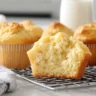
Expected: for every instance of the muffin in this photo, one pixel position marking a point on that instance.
(15, 41)
(56, 27)
(87, 34)
(58, 56)
(34, 29)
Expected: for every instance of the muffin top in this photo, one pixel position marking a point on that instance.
(15, 33)
(27, 23)
(56, 27)
(3, 23)
(30, 26)
(86, 33)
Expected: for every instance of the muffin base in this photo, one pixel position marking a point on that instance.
(14, 55)
(92, 48)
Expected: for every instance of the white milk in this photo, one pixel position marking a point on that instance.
(74, 13)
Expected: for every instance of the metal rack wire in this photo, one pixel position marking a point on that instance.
(89, 79)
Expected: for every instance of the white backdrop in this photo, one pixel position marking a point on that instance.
(30, 6)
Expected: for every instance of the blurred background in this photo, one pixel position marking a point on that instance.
(36, 10)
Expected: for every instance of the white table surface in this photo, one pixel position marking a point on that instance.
(25, 88)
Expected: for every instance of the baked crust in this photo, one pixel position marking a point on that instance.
(27, 23)
(15, 33)
(3, 23)
(86, 33)
(35, 30)
(56, 27)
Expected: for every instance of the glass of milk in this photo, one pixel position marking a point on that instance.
(74, 13)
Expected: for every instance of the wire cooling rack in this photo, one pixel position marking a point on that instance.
(89, 79)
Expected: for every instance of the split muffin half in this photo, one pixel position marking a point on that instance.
(59, 56)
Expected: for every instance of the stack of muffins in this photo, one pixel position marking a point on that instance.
(15, 40)
(57, 51)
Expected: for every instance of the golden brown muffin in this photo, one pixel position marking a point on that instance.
(87, 34)
(34, 29)
(58, 56)
(56, 27)
(15, 33)
(15, 41)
